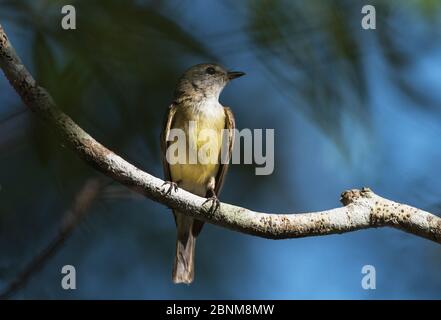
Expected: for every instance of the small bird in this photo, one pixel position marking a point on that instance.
(196, 105)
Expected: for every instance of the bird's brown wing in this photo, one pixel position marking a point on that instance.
(230, 125)
(223, 168)
(168, 120)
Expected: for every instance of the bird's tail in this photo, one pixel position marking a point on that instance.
(183, 268)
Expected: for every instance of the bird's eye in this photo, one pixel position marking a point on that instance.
(210, 70)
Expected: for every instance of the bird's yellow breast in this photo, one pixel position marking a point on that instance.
(203, 132)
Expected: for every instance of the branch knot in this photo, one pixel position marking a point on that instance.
(350, 196)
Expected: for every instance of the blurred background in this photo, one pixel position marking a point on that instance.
(350, 108)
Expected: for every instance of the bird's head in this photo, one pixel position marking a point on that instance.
(205, 80)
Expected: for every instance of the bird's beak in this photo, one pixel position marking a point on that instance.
(235, 74)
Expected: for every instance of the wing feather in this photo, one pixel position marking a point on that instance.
(230, 125)
(168, 120)
(167, 123)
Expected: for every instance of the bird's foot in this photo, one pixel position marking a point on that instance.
(215, 203)
(172, 186)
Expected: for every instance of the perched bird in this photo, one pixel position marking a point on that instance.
(196, 108)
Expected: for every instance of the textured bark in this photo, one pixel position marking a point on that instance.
(362, 208)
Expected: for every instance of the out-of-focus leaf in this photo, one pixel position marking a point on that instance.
(318, 50)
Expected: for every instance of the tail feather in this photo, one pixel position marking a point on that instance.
(183, 268)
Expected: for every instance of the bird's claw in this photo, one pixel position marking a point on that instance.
(215, 203)
(171, 186)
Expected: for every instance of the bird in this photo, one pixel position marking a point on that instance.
(196, 108)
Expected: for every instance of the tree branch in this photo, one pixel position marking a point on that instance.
(362, 208)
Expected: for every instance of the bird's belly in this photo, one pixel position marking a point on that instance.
(202, 153)
(193, 177)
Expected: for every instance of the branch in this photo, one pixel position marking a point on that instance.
(362, 208)
(88, 193)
